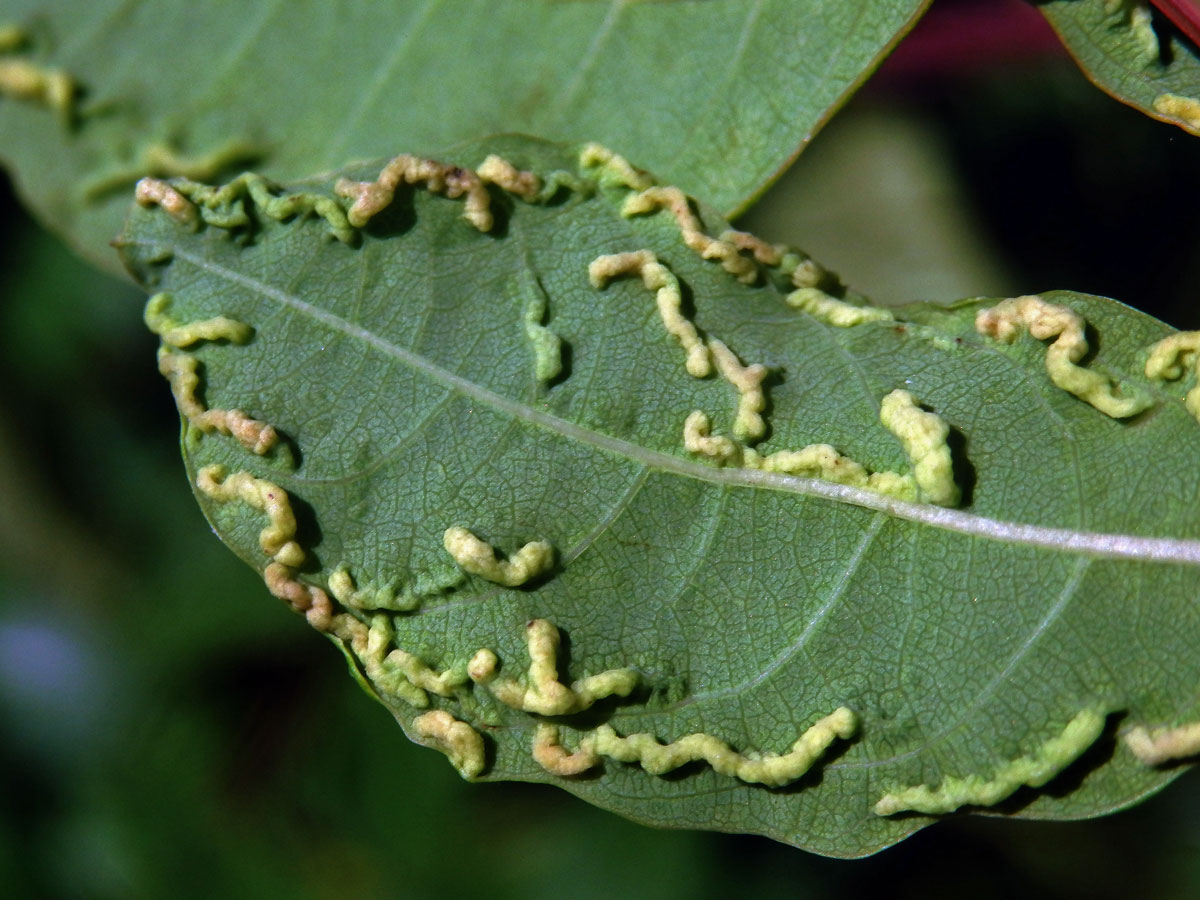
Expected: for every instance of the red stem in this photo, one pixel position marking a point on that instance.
(1184, 15)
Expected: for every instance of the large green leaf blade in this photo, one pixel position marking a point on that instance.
(400, 369)
(1135, 55)
(718, 95)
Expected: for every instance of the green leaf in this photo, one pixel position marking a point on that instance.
(718, 95)
(994, 649)
(1134, 54)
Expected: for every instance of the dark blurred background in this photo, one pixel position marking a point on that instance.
(168, 730)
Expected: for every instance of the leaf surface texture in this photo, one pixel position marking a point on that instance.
(406, 387)
(717, 95)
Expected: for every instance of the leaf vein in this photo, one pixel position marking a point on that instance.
(1052, 615)
(1110, 545)
(788, 653)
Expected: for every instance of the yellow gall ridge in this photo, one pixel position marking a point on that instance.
(386, 680)
(1136, 20)
(313, 602)
(658, 278)
(479, 558)
(182, 371)
(224, 206)
(831, 311)
(1034, 770)
(556, 759)
(698, 438)
(805, 272)
(413, 668)
(770, 769)
(824, 462)
(500, 172)
(1171, 358)
(1157, 746)
(748, 425)
(397, 673)
(152, 192)
(482, 667)
(277, 539)
(612, 170)
(458, 740)
(767, 254)
(180, 334)
(923, 436)
(547, 345)
(1183, 111)
(368, 596)
(676, 202)
(1141, 29)
(543, 693)
(21, 79)
(372, 197)
(1043, 321)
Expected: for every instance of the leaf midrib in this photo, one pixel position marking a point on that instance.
(1098, 544)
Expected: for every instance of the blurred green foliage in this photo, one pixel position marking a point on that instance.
(166, 729)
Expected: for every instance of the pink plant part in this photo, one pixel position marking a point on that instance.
(1184, 15)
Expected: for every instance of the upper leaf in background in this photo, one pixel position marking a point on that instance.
(1134, 54)
(717, 95)
(1010, 633)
